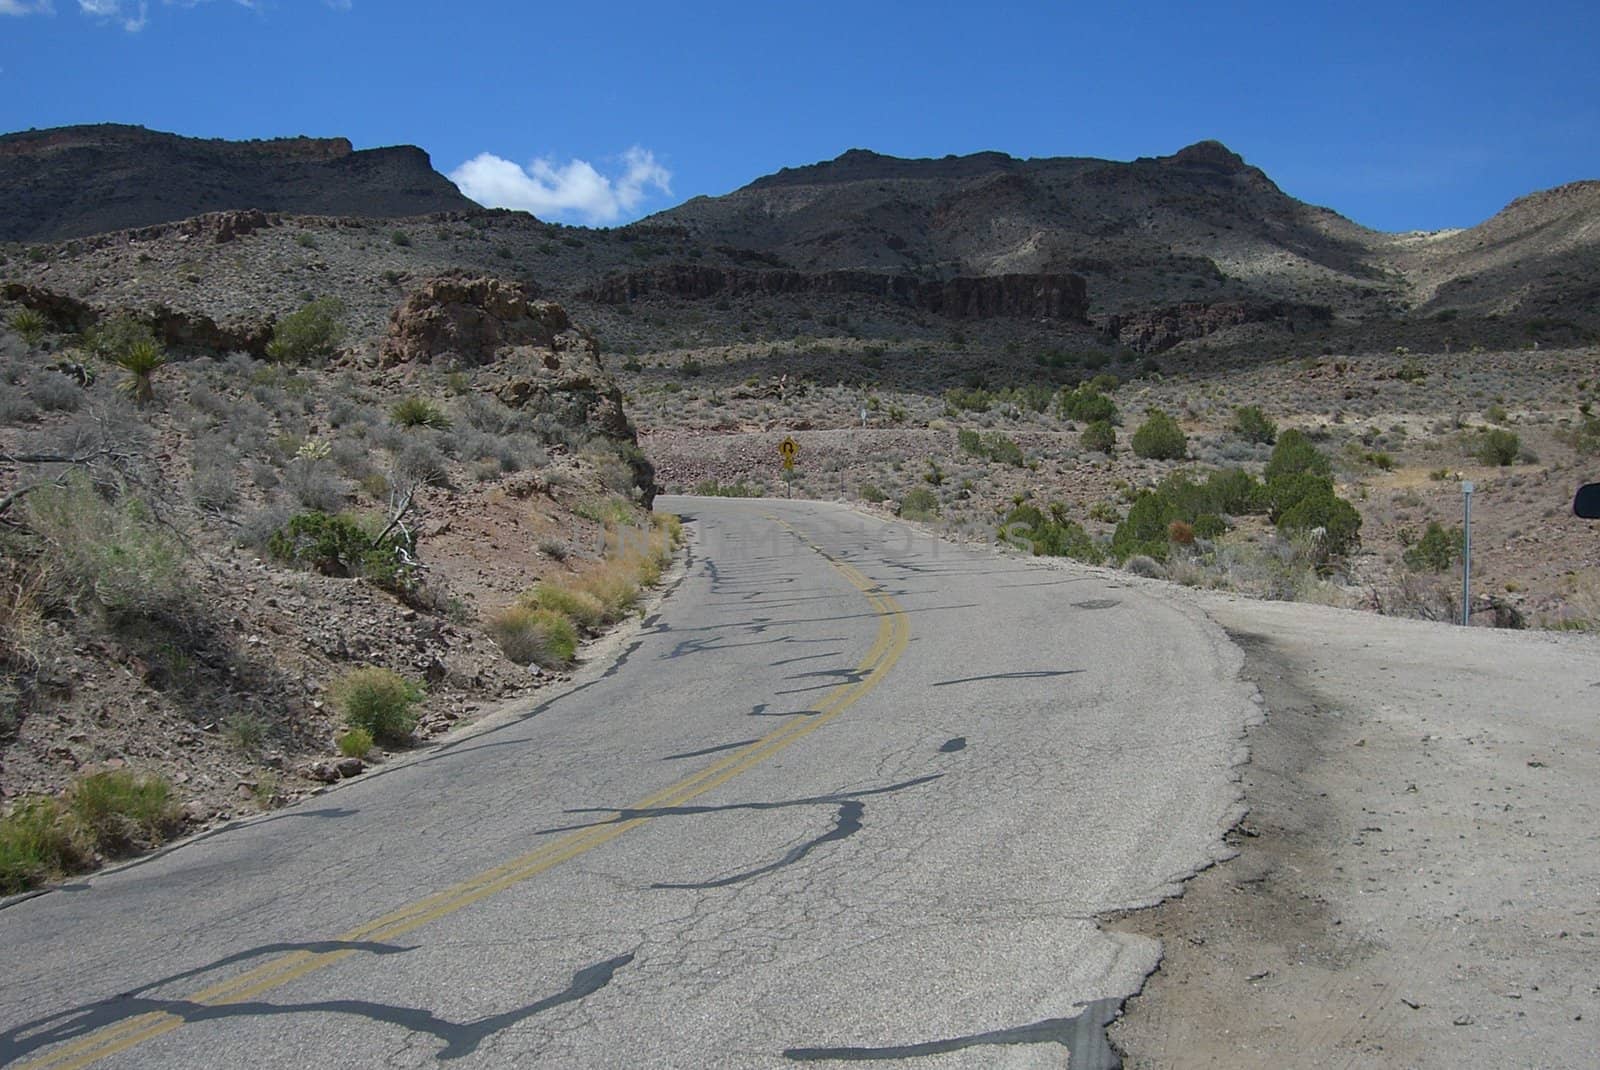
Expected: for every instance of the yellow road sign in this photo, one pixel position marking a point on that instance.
(788, 449)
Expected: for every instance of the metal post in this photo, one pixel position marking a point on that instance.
(1466, 553)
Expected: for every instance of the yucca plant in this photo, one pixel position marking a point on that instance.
(28, 323)
(141, 361)
(419, 412)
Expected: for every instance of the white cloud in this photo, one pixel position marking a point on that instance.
(553, 191)
(27, 7)
(131, 16)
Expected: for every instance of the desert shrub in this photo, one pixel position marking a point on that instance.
(29, 324)
(339, 545)
(314, 485)
(1104, 512)
(1335, 518)
(311, 332)
(1180, 532)
(993, 446)
(967, 399)
(1209, 526)
(422, 462)
(1294, 454)
(1146, 566)
(871, 492)
(39, 840)
(1050, 536)
(530, 635)
(1436, 551)
(400, 238)
(1160, 438)
(355, 743)
(116, 335)
(1253, 425)
(113, 553)
(122, 811)
(417, 411)
(378, 701)
(919, 503)
(54, 392)
(1498, 447)
(1585, 438)
(1087, 405)
(1099, 436)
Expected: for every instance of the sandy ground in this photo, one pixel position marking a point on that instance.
(1416, 884)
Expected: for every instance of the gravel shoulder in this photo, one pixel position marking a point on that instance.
(1416, 878)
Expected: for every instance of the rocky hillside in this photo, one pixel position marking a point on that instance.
(1200, 224)
(77, 180)
(1195, 229)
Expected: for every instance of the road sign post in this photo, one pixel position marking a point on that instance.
(1466, 553)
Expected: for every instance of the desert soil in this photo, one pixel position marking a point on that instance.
(1416, 879)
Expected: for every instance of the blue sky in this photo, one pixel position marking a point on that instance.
(1400, 116)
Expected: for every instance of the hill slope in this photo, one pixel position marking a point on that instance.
(73, 181)
(1200, 224)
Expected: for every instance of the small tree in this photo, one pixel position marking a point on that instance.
(1295, 454)
(313, 331)
(1160, 438)
(1253, 425)
(1099, 436)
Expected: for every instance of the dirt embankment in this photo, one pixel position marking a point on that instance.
(1415, 883)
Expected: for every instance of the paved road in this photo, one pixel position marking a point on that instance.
(853, 794)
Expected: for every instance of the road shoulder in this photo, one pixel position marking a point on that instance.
(1414, 883)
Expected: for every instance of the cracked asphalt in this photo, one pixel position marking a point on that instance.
(853, 794)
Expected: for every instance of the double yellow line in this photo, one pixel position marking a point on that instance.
(894, 632)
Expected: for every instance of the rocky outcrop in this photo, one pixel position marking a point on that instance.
(1154, 330)
(470, 320)
(1054, 297)
(548, 364)
(180, 328)
(75, 181)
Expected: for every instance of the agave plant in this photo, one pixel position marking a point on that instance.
(141, 360)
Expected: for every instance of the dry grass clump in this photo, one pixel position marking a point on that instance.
(543, 626)
(529, 635)
(115, 812)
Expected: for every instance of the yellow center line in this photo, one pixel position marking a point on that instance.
(894, 633)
